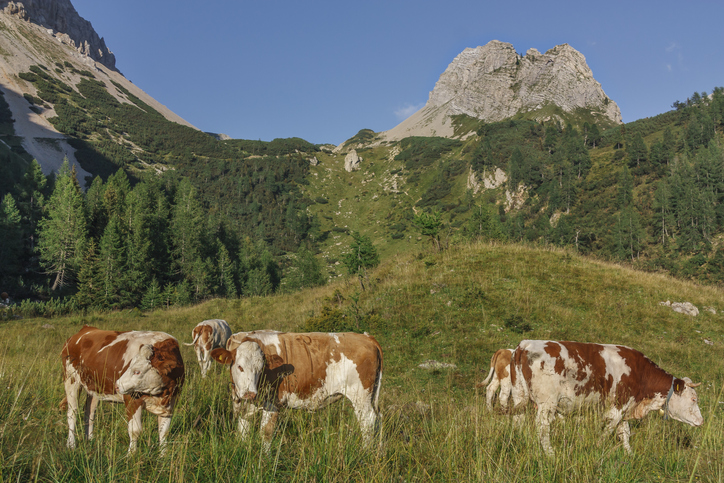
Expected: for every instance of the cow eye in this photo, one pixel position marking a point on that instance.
(135, 373)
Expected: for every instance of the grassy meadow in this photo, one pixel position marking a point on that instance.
(455, 307)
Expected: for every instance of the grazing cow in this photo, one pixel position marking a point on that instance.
(208, 335)
(498, 377)
(271, 370)
(564, 376)
(139, 369)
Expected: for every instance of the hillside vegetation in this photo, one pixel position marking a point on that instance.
(457, 306)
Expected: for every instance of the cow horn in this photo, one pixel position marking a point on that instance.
(692, 385)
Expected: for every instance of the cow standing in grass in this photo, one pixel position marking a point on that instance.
(565, 376)
(498, 378)
(207, 336)
(271, 370)
(140, 369)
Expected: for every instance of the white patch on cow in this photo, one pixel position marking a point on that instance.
(616, 367)
(246, 369)
(140, 376)
(335, 336)
(268, 338)
(135, 340)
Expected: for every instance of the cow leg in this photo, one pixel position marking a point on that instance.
(543, 420)
(506, 388)
(72, 387)
(490, 392)
(519, 393)
(164, 424)
(133, 414)
(614, 417)
(244, 411)
(91, 404)
(268, 423)
(623, 431)
(200, 358)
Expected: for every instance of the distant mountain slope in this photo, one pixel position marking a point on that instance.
(29, 37)
(494, 82)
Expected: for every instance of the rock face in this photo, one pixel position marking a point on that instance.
(494, 82)
(352, 161)
(68, 26)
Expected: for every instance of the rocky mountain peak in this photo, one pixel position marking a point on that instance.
(493, 82)
(68, 26)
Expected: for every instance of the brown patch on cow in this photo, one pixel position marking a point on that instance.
(132, 405)
(645, 380)
(554, 350)
(167, 360)
(501, 363)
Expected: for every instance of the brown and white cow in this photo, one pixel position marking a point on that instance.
(565, 376)
(271, 370)
(498, 377)
(208, 335)
(139, 369)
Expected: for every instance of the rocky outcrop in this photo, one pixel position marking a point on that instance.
(494, 82)
(352, 161)
(69, 27)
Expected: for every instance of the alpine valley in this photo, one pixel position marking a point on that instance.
(509, 147)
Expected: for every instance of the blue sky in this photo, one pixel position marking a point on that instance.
(323, 70)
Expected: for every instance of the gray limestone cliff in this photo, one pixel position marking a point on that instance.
(69, 27)
(494, 82)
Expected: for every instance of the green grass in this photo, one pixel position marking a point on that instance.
(450, 307)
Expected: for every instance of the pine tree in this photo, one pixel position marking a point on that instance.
(62, 233)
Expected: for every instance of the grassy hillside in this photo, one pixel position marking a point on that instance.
(456, 307)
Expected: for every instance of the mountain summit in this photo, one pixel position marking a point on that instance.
(494, 82)
(68, 27)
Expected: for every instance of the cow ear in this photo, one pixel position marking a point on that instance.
(222, 356)
(274, 361)
(146, 351)
(679, 385)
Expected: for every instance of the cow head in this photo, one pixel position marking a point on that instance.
(140, 377)
(684, 403)
(247, 364)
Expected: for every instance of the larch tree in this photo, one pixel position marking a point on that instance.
(63, 232)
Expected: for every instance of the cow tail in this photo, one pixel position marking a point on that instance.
(196, 337)
(490, 374)
(378, 382)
